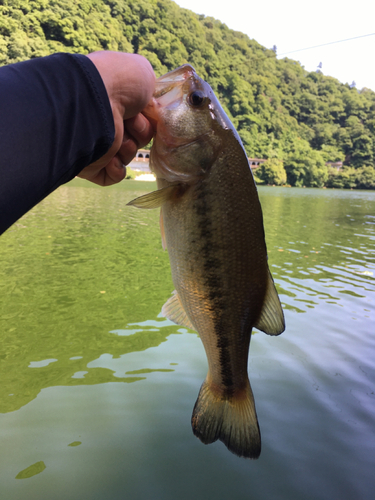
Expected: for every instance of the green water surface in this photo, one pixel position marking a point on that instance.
(97, 388)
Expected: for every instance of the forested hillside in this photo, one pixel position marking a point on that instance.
(297, 120)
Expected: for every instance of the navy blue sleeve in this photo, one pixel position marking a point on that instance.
(55, 119)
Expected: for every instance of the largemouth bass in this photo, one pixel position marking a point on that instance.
(211, 223)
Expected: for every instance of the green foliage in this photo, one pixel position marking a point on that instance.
(272, 172)
(331, 153)
(349, 178)
(344, 178)
(365, 178)
(305, 166)
(130, 173)
(279, 109)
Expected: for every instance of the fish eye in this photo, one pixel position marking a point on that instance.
(197, 98)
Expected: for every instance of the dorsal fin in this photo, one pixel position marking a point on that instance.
(174, 310)
(271, 319)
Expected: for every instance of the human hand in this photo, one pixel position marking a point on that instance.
(129, 80)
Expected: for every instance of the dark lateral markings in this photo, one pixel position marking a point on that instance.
(213, 282)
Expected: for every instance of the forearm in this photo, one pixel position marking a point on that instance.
(55, 119)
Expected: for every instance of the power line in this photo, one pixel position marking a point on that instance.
(324, 44)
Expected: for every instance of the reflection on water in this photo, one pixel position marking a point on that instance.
(82, 282)
(31, 471)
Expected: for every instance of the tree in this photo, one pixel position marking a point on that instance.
(360, 147)
(272, 172)
(365, 178)
(344, 178)
(331, 153)
(275, 105)
(304, 166)
(317, 171)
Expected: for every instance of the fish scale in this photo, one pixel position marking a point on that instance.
(211, 269)
(212, 226)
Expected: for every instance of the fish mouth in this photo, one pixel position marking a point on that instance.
(151, 112)
(177, 77)
(169, 91)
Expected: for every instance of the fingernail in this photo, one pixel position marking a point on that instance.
(118, 163)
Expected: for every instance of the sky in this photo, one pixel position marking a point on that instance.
(298, 24)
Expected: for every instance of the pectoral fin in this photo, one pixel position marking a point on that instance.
(271, 319)
(162, 232)
(174, 310)
(155, 199)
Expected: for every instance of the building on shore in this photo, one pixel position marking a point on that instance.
(140, 162)
(334, 164)
(143, 156)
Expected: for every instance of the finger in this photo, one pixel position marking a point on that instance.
(115, 171)
(140, 129)
(128, 78)
(137, 133)
(112, 173)
(128, 149)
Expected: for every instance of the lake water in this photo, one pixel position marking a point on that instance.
(97, 388)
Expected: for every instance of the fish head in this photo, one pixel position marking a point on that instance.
(191, 126)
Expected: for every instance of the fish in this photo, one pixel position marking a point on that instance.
(212, 226)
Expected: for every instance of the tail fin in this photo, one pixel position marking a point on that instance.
(232, 420)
